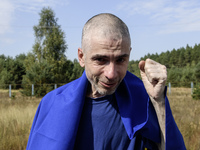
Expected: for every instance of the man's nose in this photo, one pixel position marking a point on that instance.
(110, 71)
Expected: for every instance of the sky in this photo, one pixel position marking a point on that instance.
(155, 26)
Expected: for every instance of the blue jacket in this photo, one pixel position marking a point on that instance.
(57, 118)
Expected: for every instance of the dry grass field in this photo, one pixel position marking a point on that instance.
(16, 115)
(186, 112)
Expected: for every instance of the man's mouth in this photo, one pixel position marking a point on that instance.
(108, 85)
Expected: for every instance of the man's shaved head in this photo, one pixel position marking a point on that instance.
(104, 26)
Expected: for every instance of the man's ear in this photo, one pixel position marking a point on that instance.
(81, 57)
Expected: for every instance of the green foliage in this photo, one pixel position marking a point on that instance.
(11, 71)
(196, 92)
(77, 70)
(6, 71)
(174, 76)
(49, 42)
(187, 76)
(197, 72)
(38, 74)
(47, 63)
(133, 67)
(19, 70)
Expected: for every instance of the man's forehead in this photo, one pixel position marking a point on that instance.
(106, 32)
(110, 42)
(107, 41)
(109, 49)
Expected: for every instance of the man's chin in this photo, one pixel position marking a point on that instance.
(106, 92)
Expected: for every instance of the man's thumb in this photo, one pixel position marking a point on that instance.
(141, 65)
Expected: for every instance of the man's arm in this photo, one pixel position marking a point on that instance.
(154, 76)
(159, 107)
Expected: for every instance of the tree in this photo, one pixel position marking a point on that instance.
(181, 58)
(196, 92)
(173, 58)
(164, 58)
(2, 62)
(48, 53)
(133, 68)
(19, 69)
(38, 74)
(11, 70)
(196, 53)
(7, 71)
(77, 70)
(50, 44)
(174, 76)
(197, 72)
(188, 55)
(187, 76)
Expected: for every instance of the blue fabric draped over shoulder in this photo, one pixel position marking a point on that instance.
(57, 118)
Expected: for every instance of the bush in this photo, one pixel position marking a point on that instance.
(196, 93)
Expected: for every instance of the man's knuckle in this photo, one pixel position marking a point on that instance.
(164, 67)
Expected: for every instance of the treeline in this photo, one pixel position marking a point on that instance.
(18, 72)
(26, 69)
(183, 65)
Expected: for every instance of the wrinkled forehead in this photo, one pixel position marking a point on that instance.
(106, 44)
(106, 33)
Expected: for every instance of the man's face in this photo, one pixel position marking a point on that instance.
(105, 63)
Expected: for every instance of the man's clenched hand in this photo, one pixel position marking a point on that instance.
(154, 76)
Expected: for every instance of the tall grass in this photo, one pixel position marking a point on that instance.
(186, 112)
(16, 116)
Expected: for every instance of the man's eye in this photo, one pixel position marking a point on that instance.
(120, 60)
(100, 59)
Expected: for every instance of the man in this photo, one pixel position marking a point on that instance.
(108, 107)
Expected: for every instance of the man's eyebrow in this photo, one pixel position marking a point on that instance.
(99, 56)
(104, 56)
(123, 55)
